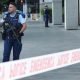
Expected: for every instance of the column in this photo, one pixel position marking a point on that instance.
(79, 11)
(57, 12)
(71, 14)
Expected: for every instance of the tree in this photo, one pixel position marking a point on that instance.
(3, 4)
(4, 1)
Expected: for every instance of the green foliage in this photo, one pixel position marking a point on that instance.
(42, 11)
(50, 11)
(4, 1)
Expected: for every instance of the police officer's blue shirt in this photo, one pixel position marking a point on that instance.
(21, 20)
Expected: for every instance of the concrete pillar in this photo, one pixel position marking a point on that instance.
(71, 14)
(79, 12)
(57, 12)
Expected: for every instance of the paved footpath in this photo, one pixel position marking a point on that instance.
(39, 40)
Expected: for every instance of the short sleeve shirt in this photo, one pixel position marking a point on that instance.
(21, 19)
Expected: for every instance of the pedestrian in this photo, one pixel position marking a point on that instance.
(14, 27)
(46, 16)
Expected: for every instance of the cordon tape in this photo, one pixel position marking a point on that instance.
(31, 66)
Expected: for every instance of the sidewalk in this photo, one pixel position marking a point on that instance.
(39, 40)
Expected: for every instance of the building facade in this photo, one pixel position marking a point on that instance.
(29, 7)
(71, 11)
(69, 8)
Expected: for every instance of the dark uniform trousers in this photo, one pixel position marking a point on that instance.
(46, 17)
(46, 21)
(8, 45)
(10, 41)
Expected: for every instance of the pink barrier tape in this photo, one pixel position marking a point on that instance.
(36, 65)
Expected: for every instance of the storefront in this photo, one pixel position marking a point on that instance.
(29, 7)
(33, 9)
(62, 10)
(65, 10)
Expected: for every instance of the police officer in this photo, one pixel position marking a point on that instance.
(13, 36)
(46, 16)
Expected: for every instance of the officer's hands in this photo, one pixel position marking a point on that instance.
(23, 28)
(21, 34)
